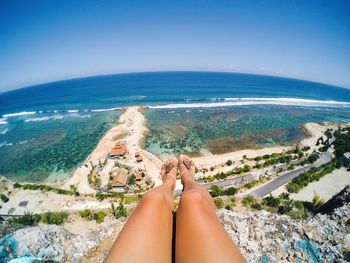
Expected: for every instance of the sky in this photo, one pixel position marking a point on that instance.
(43, 41)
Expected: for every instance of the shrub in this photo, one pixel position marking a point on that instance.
(229, 162)
(216, 190)
(298, 205)
(28, 219)
(53, 218)
(4, 198)
(284, 196)
(256, 206)
(317, 201)
(271, 201)
(228, 207)
(248, 200)
(99, 216)
(16, 185)
(86, 214)
(246, 168)
(230, 191)
(219, 203)
(314, 174)
(120, 211)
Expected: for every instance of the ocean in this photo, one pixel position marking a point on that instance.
(47, 130)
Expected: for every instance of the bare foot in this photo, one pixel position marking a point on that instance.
(169, 170)
(186, 167)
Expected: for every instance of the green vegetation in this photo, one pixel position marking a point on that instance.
(219, 202)
(46, 188)
(28, 219)
(89, 215)
(317, 201)
(219, 191)
(342, 146)
(4, 198)
(248, 201)
(99, 216)
(54, 218)
(294, 209)
(229, 162)
(314, 174)
(120, 211)
(131, 179)
(224, 175)
(251, 184)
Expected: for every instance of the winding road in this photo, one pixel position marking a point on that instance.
(271, 186)
(278, 182)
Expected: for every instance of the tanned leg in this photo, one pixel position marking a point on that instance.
(200, 237)
(147, 235)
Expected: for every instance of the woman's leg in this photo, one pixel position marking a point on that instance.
(200, 237)
(147, 235)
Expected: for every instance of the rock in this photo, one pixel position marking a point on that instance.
(280, 238)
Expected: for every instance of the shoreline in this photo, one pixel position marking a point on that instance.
(133, 124)
(78, 176)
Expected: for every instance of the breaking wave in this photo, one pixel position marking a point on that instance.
(225, 102)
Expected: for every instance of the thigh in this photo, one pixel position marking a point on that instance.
(147, 235)
(200, 237)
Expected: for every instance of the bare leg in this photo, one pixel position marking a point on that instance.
(147, 235)
(200, 237)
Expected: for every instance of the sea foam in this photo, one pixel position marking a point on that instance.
(3, 121)
(101, 110)
(18, 114)
(256, 101)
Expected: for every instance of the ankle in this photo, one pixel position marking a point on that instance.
(170, 181)
(186, 177)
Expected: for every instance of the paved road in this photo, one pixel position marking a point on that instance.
(273, 185)
(228, 182)
(278, 182)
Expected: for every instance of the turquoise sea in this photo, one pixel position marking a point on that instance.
(47, 130)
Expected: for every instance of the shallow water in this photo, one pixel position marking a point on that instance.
(51, 148)
(225, 129)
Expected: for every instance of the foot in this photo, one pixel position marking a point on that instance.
(169, 170)
(186, 167)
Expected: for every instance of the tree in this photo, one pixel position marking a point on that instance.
(131, 179)
(231, 191)
(120, 211)
(229, 162)
(246, 168)
(271, 201)
(216, 190)
(4, 198)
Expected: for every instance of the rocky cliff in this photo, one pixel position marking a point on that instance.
(262, 237)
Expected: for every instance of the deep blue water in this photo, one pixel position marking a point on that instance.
(47, 130)
(160, 88)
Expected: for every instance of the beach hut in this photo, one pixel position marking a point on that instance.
(138, 176)
(118, 150)
(120, 178)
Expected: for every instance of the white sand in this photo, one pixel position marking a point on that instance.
(326, 187)
(132, 123)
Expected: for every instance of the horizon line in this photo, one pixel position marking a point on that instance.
(170, 71)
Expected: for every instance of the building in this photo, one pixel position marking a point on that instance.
(118, 150)
(138, 176)
(120, 178)
(138, 157)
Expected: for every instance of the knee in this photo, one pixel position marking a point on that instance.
(193, 199)
(153, 197)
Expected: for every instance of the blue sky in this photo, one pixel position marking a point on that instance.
(42, 41)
